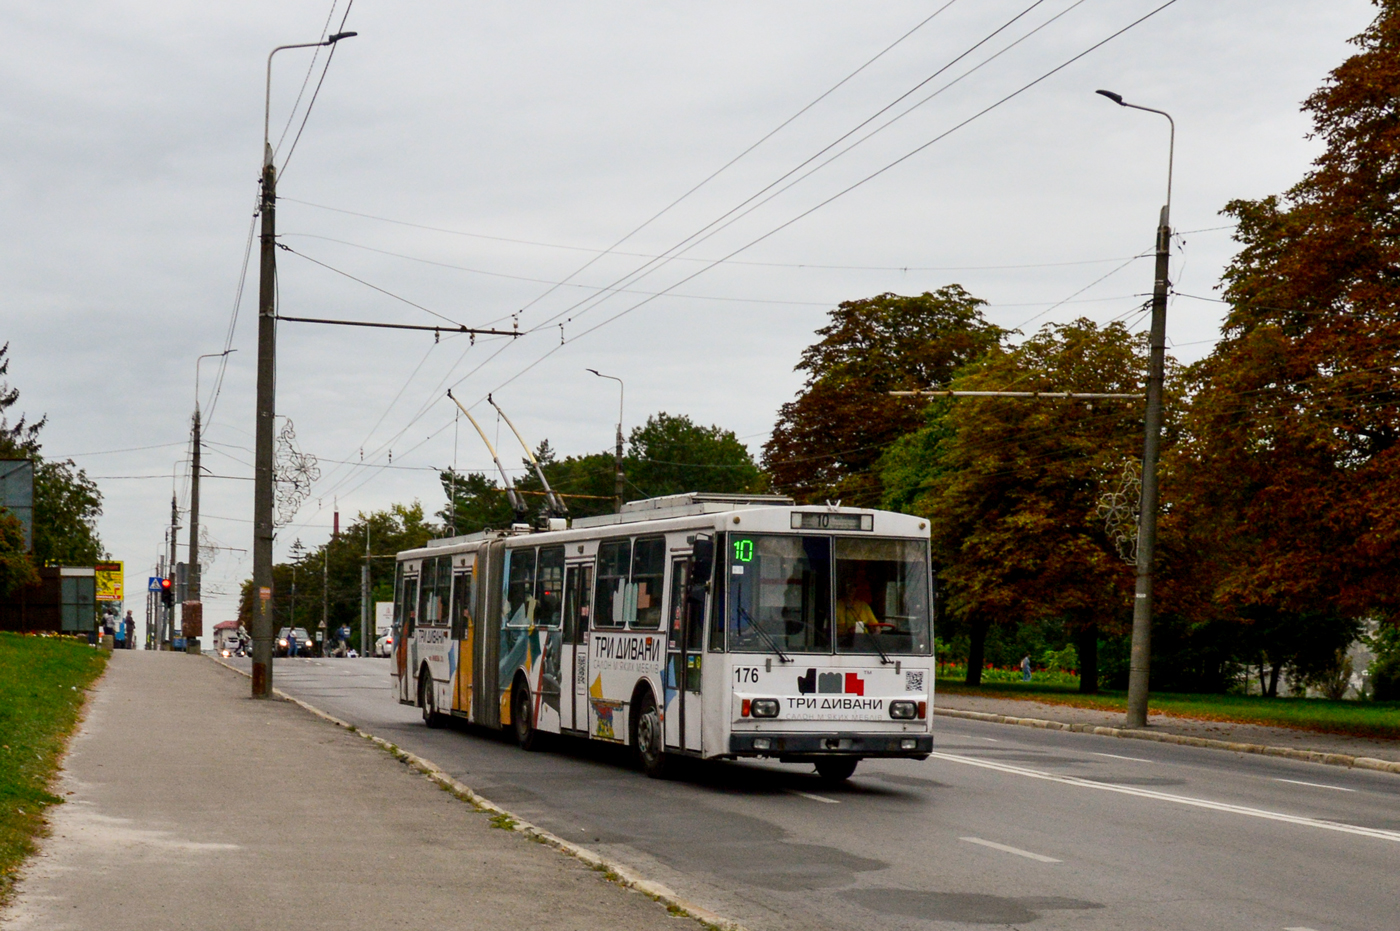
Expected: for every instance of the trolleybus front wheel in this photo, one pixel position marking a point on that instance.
(647, 738)
(836, 768)
(525, 734)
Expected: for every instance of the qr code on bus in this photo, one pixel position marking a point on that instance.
(914, 680)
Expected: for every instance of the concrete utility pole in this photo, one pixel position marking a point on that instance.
(174, 534)
(365, 644)
(618, 478)
(267, 398)
(1140, 662)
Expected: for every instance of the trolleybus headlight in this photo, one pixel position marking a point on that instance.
(762, 743)
(764, 707)
(908, 744)
(903, 710)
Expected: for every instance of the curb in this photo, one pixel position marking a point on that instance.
(1307, 756)
(622, 875)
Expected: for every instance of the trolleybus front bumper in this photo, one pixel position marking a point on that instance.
(794, 747)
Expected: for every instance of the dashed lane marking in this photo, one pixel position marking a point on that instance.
(1340, 827)
(1039, 857)
(1135, 759)
(815, 798)
(1315, 785)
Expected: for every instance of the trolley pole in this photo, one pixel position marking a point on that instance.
(1141, 658)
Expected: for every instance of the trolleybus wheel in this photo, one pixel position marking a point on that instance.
(647, 738)
(525, 734)
(836, 768)
(426, 699)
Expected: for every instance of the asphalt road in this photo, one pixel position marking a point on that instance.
(1003, 826)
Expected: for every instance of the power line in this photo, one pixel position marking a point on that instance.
(650, 255)
(941, 136)
(316, 93)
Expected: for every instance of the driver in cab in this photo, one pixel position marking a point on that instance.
(853, 614)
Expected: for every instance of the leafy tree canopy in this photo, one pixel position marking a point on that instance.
(828, 439)
(1011, 486)
(1291, 439)
(66, 502)
(669, 454)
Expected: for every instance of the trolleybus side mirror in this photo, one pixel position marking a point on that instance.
(702, 559)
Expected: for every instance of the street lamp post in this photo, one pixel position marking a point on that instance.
(618, 478)
(193, 588)
(1140, 662)
(266, 401)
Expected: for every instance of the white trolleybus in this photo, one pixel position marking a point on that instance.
(698, 625)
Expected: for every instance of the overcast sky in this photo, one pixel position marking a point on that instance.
(510, 143)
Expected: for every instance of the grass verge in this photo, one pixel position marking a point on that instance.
(43, 683)
(1353, 718)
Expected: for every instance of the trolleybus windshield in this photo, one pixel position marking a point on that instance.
(808, 594)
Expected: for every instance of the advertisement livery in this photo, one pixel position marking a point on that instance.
(710, 626)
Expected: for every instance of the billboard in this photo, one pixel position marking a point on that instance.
(17, 494)
(109, 581)
(383, 617)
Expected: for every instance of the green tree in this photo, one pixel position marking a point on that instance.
(667, 455)
(67, 503)
(399, 528)
(1011, 487)
(16, 568)
(827, 441)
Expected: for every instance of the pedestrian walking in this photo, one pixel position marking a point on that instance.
(130, 625)
(291, 643)
(1026, 668)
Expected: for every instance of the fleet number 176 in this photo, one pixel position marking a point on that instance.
(745, 674)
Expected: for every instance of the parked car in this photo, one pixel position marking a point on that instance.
(384, 646)
(305, 646)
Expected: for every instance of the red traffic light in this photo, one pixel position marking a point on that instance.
(165, 585)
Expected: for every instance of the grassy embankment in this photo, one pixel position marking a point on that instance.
(1357, 718)
(43, 682)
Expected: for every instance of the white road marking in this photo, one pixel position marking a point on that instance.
(992, 739)
(1315, 785)
(1378, 833)
(1005, 849)
(1135, 759)
(815, 798)
(1300, 928)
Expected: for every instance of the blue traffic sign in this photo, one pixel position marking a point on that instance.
(153, 584)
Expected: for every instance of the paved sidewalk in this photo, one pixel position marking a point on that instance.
(192, 806)
(1292, 738)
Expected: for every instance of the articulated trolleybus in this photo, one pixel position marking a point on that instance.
(696, 625)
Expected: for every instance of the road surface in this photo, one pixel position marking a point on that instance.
(1005, 826)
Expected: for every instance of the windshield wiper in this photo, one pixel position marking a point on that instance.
(875, 642)
(773, 644)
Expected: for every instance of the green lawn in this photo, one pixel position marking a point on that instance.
(43, 683)
(1357, 718)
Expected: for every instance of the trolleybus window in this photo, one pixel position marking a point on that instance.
(518, 606)
(435, 580)
(644, 594)
(463, 594)
(779, 594)
(549, 586)
(406, 605)
(614, 557)
(882, 602)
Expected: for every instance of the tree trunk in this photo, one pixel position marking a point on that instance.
(1274, 670)
(976, 650)
(1087, 646)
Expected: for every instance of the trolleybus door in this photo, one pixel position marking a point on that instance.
(405, 621)
(685, 637)
(573, 698)
(463, 634)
